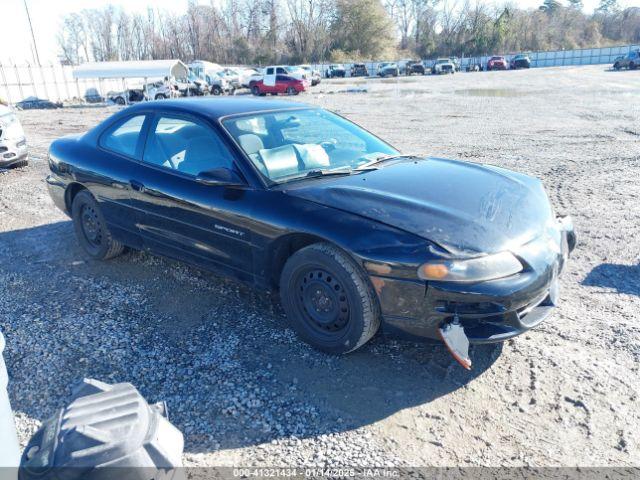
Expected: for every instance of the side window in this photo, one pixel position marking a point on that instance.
(270, 71)
(281, 70)
(185, 146)
(123, 137)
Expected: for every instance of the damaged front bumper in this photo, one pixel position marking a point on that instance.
(12, 151)
(487, 312)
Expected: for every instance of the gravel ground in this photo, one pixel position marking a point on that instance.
(245, 391)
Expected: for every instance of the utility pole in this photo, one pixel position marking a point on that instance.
(33, 37)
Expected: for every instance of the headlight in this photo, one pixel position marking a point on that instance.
(478, 269)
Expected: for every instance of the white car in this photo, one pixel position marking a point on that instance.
(249, 75)
(13, 144)
(443, 65)
(314, 75)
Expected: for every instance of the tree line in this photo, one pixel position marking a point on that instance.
(295, 31)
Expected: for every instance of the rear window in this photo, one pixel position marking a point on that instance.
(123, 137)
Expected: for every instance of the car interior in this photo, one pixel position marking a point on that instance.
(289, 145)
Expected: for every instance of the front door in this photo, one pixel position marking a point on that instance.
(121, 145)
(182, 218)
(269, 79)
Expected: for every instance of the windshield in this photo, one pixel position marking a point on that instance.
(296, 144)
(10, 127)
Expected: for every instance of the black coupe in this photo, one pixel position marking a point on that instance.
(294, 198)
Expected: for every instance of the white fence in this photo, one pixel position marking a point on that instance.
(51, 82)
(56, 83)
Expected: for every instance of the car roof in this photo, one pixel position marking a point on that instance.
(216, 108)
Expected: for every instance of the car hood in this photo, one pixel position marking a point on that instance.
(461, 206)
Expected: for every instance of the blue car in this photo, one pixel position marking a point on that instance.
(293, 198)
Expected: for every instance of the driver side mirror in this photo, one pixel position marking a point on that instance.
(220, 177)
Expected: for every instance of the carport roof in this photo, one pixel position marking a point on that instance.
(132, 69)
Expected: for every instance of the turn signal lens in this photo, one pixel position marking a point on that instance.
(433, 271)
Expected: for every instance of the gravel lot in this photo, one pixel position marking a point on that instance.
(242, 388)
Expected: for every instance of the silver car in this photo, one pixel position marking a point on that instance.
(13, 144)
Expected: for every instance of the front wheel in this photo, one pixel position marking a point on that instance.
(328, 300)
(91, 229)
(216, 90)
(255, 90)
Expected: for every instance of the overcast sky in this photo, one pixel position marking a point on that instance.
(46, 17)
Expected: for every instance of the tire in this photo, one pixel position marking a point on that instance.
(632, 66)
(616, 66)
(291, 91)
(328, 300)
(216, 90)
(19, 164)
(120, 101)
(255, 90)
(91, 229)
(160, 96)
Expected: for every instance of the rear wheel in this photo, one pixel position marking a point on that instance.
(91, 229)
(328, 300)
(291, 91)
(120, 101)
(160, 96)
(216, 90)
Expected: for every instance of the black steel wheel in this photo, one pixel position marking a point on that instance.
(328, 300)
(255, 90)
(91, 229)
(291, 91)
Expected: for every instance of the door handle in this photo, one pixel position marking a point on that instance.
(137, 186)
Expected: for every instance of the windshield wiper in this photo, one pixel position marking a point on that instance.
(325, 173)
(318, 173)
(382, 159)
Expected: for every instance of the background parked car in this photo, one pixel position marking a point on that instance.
(415, 67)
(279, 84)
(520, 61)
(388, 70)
(35, 103)
(359, 70)
(443, 65)
(159, 90)
(250, 74)
(13, 144)
(456, 63)
(336, 70)
(232, 77)
(313, 75)
(132, 95)
(91, 95)
(630, 61)
(497, 63)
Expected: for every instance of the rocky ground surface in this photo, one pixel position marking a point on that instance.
(245, 391)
